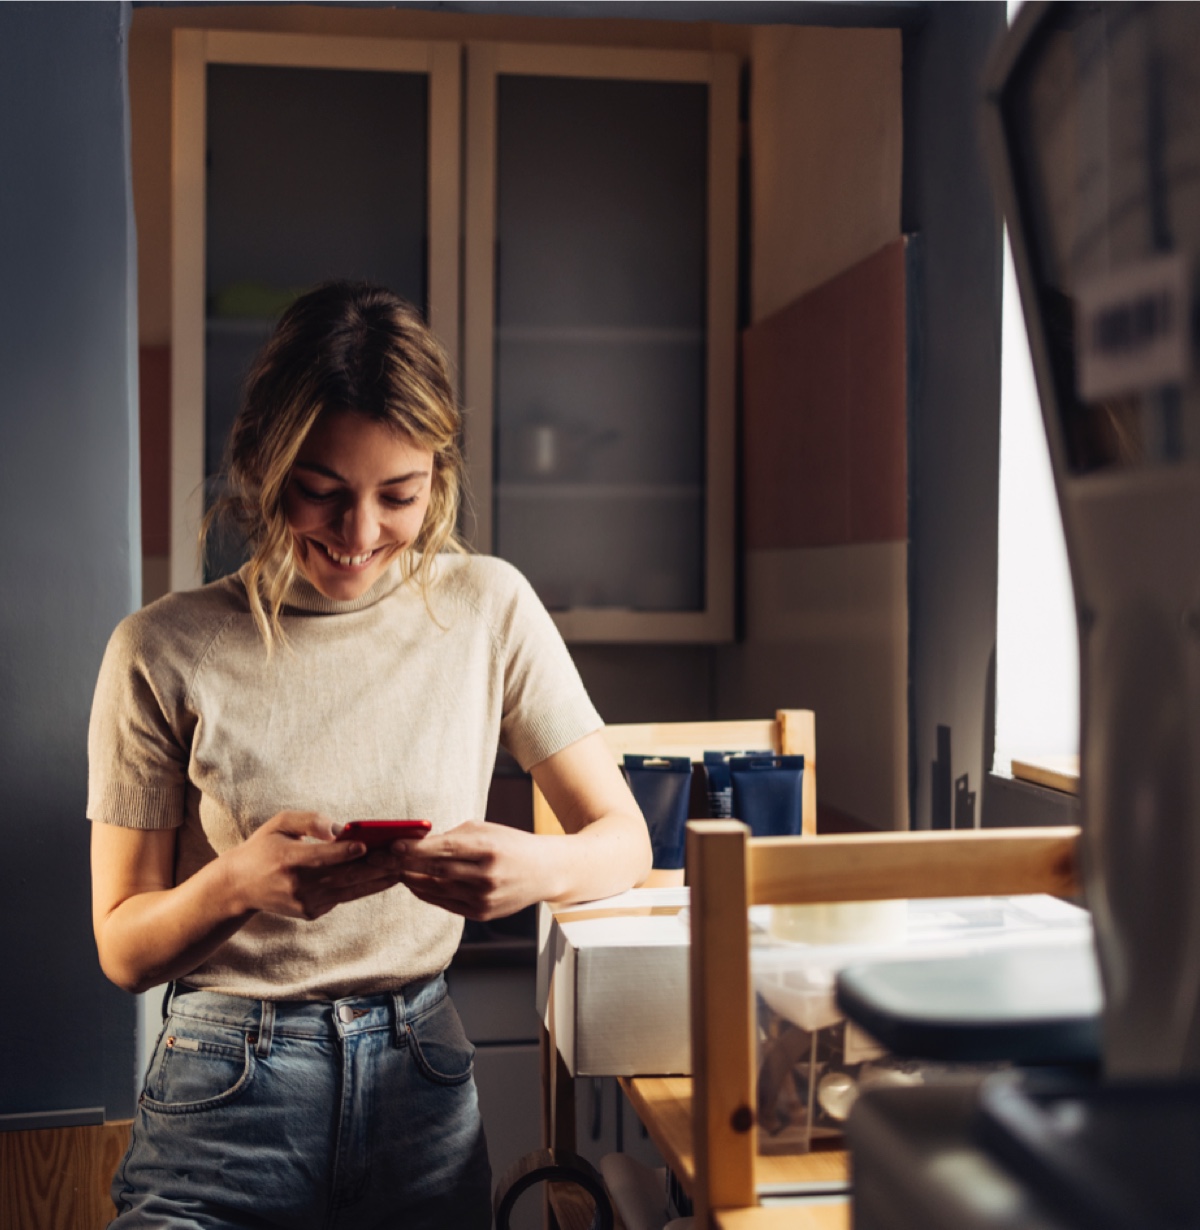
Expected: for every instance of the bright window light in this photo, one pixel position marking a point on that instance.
(1037, 648)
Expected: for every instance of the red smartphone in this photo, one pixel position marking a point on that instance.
(375, 834)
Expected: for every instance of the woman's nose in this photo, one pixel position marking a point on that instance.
(360, 526)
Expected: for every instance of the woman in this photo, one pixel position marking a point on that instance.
(311, 1072)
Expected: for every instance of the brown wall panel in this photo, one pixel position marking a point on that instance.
(825, 413)
(876, 399)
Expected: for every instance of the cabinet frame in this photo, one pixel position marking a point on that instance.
(486, 62)
(193, 51)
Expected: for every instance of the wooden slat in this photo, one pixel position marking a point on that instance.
(188, 139)
(798, 737)
(721, 348)
(287, 50)
(445, 196)
(792, 1217)
(573, 1208)
(59, 1178)
(692, 739)
(722, 1004)
(1061, 773)
(664, 1105)
(792, 731)
(479, 292)
(610, 63)
(558, 1111)
(880, 866)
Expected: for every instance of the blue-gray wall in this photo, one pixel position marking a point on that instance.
(68, 486)
(954, 448)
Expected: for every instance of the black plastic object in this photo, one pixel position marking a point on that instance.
(768, 793)
(1105, 1156)
(1034, 1005)
(552, 1166)
(662, 786)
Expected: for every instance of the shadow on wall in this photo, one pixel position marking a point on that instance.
(68, 457)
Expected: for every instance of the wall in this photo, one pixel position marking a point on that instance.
(825, 614)
(827, 150)
(68, 495)
(955, 441)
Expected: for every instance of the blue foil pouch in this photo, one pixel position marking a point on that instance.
(768, 793)
(662, 786)
(719, 784)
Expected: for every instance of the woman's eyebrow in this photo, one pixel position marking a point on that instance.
(326, 472)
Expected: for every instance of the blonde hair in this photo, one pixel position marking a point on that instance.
(342, 346)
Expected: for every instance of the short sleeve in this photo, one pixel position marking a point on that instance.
(137, 738)
(546, 706)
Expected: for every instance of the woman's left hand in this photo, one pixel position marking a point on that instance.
(481, 871)
(487, 870)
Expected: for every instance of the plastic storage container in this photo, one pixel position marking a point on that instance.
(812, 1062)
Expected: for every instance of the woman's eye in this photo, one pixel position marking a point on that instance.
(314, 496)
(397, 501)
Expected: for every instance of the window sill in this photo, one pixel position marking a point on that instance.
(1012, 803)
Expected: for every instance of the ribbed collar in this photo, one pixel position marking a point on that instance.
(303, 596)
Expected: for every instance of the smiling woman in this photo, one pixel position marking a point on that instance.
(351, 398)
(361, 665)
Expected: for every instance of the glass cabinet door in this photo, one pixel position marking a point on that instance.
(600, 329)
(317, 161)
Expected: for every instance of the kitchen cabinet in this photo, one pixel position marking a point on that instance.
(599, 332)
(497, 1007)
(295, 159)
(596, 290)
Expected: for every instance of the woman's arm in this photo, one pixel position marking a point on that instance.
(489, 870)
(149, 929)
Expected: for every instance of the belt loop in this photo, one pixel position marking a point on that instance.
(266, 1027)
(399, 1025)
(168, 996)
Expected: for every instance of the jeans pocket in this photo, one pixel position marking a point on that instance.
(440, 1047)
(197, 1069)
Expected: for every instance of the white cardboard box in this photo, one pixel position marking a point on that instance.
(619, 971)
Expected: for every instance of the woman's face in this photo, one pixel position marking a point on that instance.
(355, 499)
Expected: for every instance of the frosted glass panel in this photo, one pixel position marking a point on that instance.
(600, 344)
(312, 174)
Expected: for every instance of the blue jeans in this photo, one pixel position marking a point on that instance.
(308, 1116)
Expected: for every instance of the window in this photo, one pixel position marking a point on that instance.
(1037, 649)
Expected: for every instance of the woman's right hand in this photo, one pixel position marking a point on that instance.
(150, 929)
(293, 866)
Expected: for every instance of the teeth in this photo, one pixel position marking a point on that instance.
(348, 560)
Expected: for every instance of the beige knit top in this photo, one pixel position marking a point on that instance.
(379, 707)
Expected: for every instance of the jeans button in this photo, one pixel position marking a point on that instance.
(345, 1014)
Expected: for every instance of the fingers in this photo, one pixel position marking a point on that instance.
(322, 890)
(328, 854)
(311, 839)
(448, 895)
(303, 824)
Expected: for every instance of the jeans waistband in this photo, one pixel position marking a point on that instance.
(266, 1019)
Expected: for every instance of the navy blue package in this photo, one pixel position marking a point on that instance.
(768, 793)
(662, 785)
(719, 784)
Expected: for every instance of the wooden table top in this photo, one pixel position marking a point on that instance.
(664, 1105)
(791, 1217)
